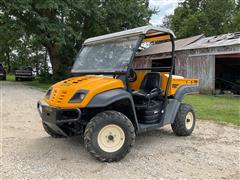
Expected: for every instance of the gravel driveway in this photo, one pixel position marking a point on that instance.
(28, 152)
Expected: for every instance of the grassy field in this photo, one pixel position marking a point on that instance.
(216, 108)
(35, 83)
(10, 77)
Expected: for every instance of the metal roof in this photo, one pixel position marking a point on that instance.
(215, 41)
(167, 47)
(128, 33)
(195, 42)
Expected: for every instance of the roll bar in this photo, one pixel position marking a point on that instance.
(155, 68)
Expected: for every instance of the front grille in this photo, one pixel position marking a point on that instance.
(69, 114)
(58, 96)
(54, 95)
(61, 96)
(23, 73)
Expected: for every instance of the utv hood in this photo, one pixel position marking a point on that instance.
(62, 92)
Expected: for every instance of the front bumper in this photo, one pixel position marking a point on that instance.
(24, 76)
(56, 117)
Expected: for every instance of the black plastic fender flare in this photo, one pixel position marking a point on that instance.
(184, 90)
(174, 104)
(108, 97)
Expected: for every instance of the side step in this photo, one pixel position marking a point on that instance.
(146, 127)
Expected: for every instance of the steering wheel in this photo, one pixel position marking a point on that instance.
(132, 76)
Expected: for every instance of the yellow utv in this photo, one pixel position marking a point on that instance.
(109, 100)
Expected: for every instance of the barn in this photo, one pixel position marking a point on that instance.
(215, 60)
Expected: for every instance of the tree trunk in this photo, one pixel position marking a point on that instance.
(8, 60)
(45, 63)
(60, 64)
(37, 62)
(53, 51)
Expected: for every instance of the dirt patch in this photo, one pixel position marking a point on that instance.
(28, 152)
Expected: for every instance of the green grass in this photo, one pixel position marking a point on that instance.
(10, 77)
(216, 108)
(35, 83)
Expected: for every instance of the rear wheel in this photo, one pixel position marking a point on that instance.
(51, 132)
(185, 120)
(109, 136)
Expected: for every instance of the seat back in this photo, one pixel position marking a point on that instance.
(151, 81)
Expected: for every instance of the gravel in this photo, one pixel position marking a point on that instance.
(28, 152)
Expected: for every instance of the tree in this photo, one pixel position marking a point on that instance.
(211, 17)
(10, 35)
(62, 26)
(236, 18)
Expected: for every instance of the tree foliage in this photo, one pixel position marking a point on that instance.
(236, 18)
(62, 26)
(211, 17)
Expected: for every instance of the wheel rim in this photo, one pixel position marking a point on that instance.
(189, 120)
(111, 138)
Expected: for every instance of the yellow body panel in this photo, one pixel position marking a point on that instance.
(64, 90)
(175, 82)
(136, 84)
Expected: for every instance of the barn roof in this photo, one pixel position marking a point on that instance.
(215, 41)
(195, 42)
(166, 47)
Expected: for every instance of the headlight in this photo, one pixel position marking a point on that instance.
(48, 93)
(78, 96)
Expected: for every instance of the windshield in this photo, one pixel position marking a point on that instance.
(105, 57)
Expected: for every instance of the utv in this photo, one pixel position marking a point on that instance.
(2, 72)
(109, 100)
(24, 73)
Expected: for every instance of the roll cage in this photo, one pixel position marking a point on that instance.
(145, 34)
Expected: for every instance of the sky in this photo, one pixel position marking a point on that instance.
(165, 7)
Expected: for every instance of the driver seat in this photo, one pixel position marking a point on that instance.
(149, 89)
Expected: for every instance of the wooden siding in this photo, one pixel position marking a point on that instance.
(195, 63)
(198, 67)
(202, 68)
(142, 62)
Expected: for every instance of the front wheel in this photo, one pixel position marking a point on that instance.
(109, 136)
(184, 122)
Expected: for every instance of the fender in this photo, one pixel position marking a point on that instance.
(171, 111)
(174, 104)
(184, 90)
(108, 97)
